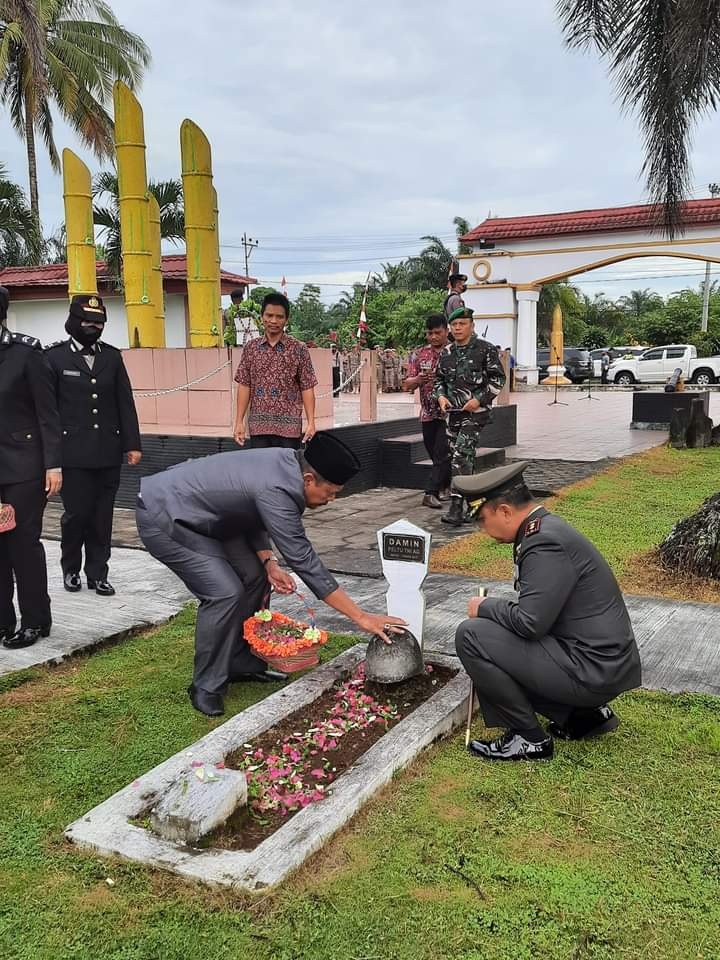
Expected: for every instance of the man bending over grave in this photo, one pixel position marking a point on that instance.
(564, 648)
(211, 521)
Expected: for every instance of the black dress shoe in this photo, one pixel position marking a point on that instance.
(101, 587)
(585, 724)
(26, 637)
(211, 704)
(512, 746)
(71, 582)
(6, 633)
(259, 676)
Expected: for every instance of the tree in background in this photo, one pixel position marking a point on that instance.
(64, 54)
(106, 216)
(639, 302)
(570, 301)
(19, 241)
(665, 60)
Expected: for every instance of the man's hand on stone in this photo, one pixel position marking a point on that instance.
(376, 624)
(281, 582)
(474, 605)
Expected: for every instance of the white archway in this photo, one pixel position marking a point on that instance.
(512, 257)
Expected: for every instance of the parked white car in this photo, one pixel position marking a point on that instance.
(658, 363)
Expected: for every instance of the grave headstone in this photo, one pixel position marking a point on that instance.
(199, 801)
(405, 557)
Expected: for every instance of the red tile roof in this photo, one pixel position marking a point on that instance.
(174, 267)
(694, 212)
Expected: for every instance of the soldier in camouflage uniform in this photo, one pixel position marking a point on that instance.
(469, 376)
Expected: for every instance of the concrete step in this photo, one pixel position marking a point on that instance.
(405, 462)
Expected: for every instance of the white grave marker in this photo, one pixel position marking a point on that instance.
(405, 555)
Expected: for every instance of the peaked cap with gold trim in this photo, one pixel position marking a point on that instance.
(481, 487)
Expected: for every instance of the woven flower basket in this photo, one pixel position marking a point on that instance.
(285, 644)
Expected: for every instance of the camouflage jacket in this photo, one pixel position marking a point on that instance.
(471, 371)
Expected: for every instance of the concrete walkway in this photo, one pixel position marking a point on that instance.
(679, 642)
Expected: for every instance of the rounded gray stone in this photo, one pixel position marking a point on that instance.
(394, 662)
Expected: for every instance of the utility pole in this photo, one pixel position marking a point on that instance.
(248, 246)
(714, 189)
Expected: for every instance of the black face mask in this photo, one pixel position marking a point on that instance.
(84, 335)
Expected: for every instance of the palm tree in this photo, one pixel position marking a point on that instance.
(664, 58)
(462, 227)
(169, 196)
(19, 242)
(69, 64)
(638, 302)
(429, 269)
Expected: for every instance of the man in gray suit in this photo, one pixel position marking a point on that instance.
(564, 648)
(211, 521)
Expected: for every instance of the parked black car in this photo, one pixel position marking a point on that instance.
(578, 365)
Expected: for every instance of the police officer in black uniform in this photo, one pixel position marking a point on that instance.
(99, 426)
(29, 473)
(563, 648)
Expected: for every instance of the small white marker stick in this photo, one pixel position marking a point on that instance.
(482, 592)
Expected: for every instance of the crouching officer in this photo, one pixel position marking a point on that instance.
(563, 648)
(99, 425)
(29, 473)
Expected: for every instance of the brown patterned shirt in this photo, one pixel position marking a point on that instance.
(276, 375)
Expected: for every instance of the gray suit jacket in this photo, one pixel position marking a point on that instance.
(255, 494)
(570, 602)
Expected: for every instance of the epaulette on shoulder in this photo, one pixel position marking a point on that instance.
(27, 341)
(57, 343)
(533, 526)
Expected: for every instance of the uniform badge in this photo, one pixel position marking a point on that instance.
(93, 302)
(533, 526)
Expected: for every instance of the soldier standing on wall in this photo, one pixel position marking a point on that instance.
(99, 426)
(29, 474)
(468, 378)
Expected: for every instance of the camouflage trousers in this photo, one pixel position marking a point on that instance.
(463, 433)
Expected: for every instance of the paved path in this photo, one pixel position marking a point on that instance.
(148, 593)
(679, 642)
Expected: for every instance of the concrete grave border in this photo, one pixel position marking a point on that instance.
(107, 830)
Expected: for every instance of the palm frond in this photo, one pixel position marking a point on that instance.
(590, 22)
(44, 122)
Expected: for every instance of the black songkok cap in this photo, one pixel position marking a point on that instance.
(4, 301)
(88, 307)
(481, 487)
(454, 277)
(335, 462)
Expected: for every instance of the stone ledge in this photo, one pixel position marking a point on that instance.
(107, 830)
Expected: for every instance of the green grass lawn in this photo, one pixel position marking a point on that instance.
(626, 510)
(609, 852)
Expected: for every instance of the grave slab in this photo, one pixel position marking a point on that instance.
(107, 829)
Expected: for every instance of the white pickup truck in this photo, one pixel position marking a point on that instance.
(656, 364)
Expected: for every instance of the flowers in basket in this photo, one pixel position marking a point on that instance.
(286, 643)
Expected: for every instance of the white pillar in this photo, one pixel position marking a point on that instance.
(526, 356)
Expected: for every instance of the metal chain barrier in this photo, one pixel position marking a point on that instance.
(206, 376)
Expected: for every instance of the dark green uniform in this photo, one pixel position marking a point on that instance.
(567, 642)
(464, 373)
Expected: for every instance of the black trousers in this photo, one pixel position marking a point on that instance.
(88, 497)
(230, 589)
(436, 444)
(262, 441)
(514, 678)
(22, 554)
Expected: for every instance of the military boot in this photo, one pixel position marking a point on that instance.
(454, 516)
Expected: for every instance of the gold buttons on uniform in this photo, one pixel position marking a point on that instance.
(64, 433)
(94, 411)
(28, 436)
(96, 426)
(93, 380)
(94, 396)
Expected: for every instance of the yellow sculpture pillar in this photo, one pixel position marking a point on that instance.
(556, 366)
(144, 327)
(79, 227)
(218, 299)
(156, 286)
(203, 271)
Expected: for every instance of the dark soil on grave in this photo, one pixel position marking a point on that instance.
(245, 830)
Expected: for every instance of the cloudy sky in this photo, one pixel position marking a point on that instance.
(342, 132)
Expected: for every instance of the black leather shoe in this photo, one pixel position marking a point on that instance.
(26, 637)
(6, 633)
(512, 746)
(71, 582)
(586, 724)
(454, 516)
(101, 587)
(211, 704)
(260, 676)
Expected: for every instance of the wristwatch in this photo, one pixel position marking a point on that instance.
(267, 560)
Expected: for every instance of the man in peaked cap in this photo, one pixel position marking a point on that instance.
(564, 648)
(212, 520)
(99, 430)
(454, 300)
